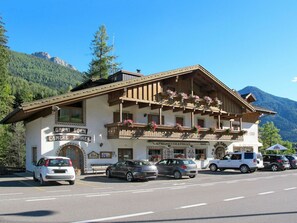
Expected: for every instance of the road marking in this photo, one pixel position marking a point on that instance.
(10, 194)
(142, 191)
(42, 199)
(177, 187)
(290, 188)
(267, 192)
(232, 182)
(233, 198)
(98, 195)
(192, 206)
(116, 217)
(57, 191)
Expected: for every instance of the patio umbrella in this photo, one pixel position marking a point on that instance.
(277, 147)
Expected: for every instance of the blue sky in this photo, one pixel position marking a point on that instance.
(243, 43)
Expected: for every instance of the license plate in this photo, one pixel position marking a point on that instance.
(59, 171)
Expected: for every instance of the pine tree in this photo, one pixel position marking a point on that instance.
(5, 93)
(103, 63)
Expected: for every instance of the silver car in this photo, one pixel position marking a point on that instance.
(132, 170)
(177, 168)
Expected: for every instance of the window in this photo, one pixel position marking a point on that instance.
(179, 120)
(201, 123)
(249, 155)
(236, 157)
(71, 113)
(155, 118)
(179, 153)
(235, 126)
(34, 154)
(200, 154)
(154, 155)
(126, 116)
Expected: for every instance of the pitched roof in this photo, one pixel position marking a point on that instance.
(29, 108)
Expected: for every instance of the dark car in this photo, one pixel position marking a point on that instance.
(292, 160)
(132, 170)
(177, 168)
(275, 162)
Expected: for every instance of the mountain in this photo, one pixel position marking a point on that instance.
(57, 60)
(285, 119)
(43, 72)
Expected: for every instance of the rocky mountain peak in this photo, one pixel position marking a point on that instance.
(57, 60)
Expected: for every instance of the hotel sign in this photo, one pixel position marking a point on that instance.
(70, 130)
(68, 138)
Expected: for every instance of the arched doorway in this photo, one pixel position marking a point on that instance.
(219, 152)
(75, 154)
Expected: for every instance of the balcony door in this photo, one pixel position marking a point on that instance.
(125, 154)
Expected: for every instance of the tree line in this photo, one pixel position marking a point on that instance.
(24, 78)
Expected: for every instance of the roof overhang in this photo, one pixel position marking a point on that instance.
(44, 106)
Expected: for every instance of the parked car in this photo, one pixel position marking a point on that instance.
(275, 162)
(246, 162)
(54, 168)
(177, 168)
(132, 170)
(260, 163)
(292, 160)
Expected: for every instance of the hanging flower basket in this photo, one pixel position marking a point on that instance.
(152, 126)
(208, 100)
(128, 123)
(183, 97)
(194, 99)
(179, 127)
(218, 102)
(196, 129)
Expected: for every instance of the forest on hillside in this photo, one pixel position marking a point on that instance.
(42, 72)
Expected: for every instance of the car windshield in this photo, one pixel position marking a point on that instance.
(142, 163)
(58, 162)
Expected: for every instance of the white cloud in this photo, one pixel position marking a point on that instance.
(294, 79)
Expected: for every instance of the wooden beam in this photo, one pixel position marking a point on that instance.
(155, 106)
(129, 103)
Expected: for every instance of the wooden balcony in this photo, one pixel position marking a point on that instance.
(164, 132)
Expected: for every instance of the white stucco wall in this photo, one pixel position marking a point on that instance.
(98, 113)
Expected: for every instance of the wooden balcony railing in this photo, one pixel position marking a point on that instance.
(141, 131)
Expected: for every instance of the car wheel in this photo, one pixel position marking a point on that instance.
(71, 182)
(244, 169)
(41, 181)
(129, 177)
(213, 167)
(34, 178)
(177, 175)
(192, 176)
(108, 174)
(274, 167)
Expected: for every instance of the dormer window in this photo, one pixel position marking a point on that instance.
(72, 113)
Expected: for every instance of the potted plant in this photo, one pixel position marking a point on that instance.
(218, 102)
(196, 129)
(152, 126)
(128, 123)
(178, 127)
(207, 100)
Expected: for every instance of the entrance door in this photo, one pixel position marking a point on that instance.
(125, 154)
(219, 153)
(76, 156)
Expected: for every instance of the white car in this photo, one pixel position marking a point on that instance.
(54, 168)
(244, 161)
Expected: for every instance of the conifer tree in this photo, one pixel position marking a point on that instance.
(5, 93)
(103, 63)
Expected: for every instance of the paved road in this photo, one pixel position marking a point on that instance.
(211, 197)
